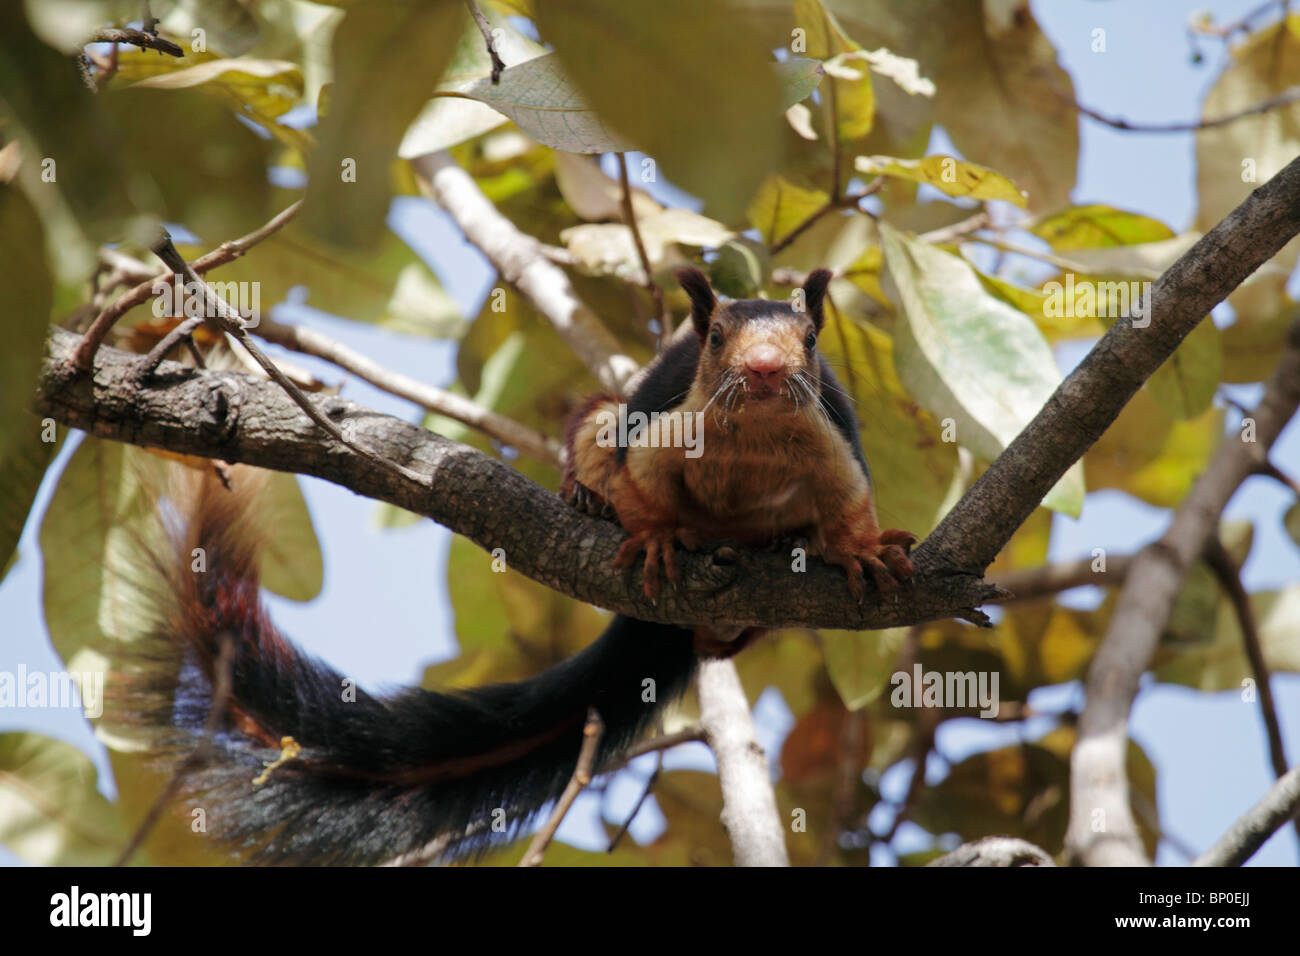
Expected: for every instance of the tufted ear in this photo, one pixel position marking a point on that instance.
(814, 291)
(703, 301)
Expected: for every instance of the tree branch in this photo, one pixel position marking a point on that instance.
(146, 41)
(1092, 396)
(657, 294)
(995, 851)
(1285, 98)
(1098, 782)
(1281, 803)
(240, 418)
(749, 811)
(1052, 579)
(519, 259)
(144, 290)
(505, 430)
(1229, 577)
(582, 773)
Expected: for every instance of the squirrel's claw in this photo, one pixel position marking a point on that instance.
(884, 555)
(658, 545)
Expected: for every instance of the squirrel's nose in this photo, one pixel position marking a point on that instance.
(763, 360)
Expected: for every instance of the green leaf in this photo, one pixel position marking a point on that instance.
(1150, 455)
(446, 121)
(292, 566)
(258, 90)
(1291, 521)
(1235, 158)
(387, 57)
(69, 130)
(780, 207)
(387, 285)
(23, 462)
(969, 356)
(854, 98)
(51, 810)
(220, 191)
(1003, 104)
(915, 471)
(1185, 384)
(951, 176)
(684, 82)
(860, 663)
(539, 98)
(1088, 227)
(1254, 342)
(29, 286)
(96, 584)
(799, 77)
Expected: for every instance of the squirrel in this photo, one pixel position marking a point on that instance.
(294, 765)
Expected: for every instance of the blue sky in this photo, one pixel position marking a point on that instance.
(384, 613)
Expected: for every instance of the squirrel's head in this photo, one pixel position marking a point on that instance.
(763, 349)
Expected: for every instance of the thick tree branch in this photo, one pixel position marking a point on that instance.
(239, 418)
(1092, 396)
(1098, 782)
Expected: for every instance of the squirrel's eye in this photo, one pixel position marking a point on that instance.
(715, 337)
(811, 341)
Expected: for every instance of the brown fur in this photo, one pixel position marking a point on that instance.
(772, 463)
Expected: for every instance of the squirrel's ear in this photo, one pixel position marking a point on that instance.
(814, 291)
(703, 301)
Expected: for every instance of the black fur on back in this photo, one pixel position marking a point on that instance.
(666, 382)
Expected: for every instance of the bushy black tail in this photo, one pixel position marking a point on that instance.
(443, 774)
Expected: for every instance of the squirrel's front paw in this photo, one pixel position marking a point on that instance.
(582, 498)
(884, 554)
(657, 543)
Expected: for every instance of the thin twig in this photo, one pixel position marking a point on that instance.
(582, 775)
(692, 734)
(1285, 98)
(834, 204)
(485, 28)
(1240, 25)
(920, 754)
(226, 252)
(231, 322)
(1051, 579)
(1270, 470)
(645, 793)
(439, 401)
(656, 293)
(1248, 834)
(958, 230)
(1229, 577)
(147, 41)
